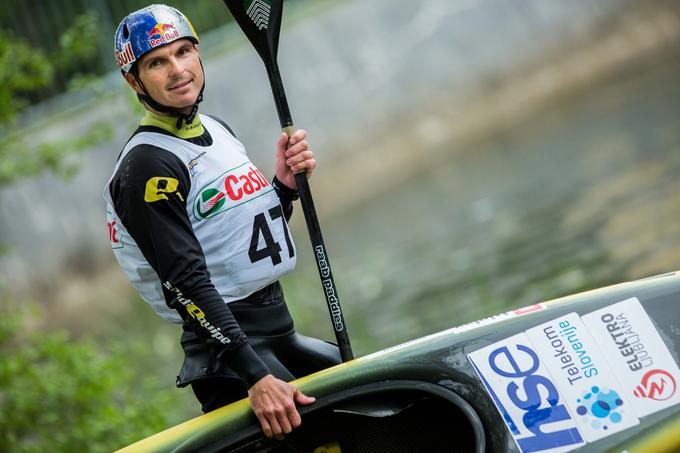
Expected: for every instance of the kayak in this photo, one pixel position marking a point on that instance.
(595, 371)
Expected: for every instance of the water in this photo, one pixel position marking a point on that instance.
(578, 196)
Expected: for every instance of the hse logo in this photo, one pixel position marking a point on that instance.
(526, 396)
(600, 408)
(235, 187)
(657, 385)
(162, 33)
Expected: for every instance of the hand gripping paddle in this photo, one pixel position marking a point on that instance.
(260, 20)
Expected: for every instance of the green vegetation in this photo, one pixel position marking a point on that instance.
(25, 72)
(60, 392)
(79, 40)
(63, 395)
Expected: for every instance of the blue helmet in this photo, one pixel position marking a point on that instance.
(148, 28)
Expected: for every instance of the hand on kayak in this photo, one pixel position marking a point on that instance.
(273, 402)
(293, 156)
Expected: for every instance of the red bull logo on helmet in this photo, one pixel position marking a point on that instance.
(162, 33)
(125, 57)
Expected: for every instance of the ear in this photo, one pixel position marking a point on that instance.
(130, 79)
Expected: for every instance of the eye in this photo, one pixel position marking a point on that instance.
(154, 63)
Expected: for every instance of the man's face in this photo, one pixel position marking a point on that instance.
(172, 74)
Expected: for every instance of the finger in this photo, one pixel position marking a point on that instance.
(285, 422)
(266, 427)
(301, 398)
(298, 158)
(298, 136)
(294, 416)
(277, 432)
(306, 166)
(282, 143)
(297, 148)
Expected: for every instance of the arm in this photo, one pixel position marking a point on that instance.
(273, 400)
(292, 157)
(149, 193)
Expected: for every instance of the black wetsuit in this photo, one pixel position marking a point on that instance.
(197, 228)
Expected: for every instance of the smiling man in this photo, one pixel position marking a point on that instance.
(202, 234)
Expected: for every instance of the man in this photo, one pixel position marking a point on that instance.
(202, 234)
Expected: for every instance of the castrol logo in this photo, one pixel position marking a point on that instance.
(234, 188)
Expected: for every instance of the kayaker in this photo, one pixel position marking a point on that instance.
(201, 233)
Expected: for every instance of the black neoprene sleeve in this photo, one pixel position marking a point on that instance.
(149, 193)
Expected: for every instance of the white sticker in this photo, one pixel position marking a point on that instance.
(526, 396)
(637, 354)
(576, 379)
(497, 318)
(583, 377)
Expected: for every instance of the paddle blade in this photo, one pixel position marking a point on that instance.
(260, 20)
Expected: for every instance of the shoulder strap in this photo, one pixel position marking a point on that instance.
(225, 125)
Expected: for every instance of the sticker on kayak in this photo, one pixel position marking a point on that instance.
(576, 379)
(497, 318)
(583, 377)
(637, 354)
(526, 395)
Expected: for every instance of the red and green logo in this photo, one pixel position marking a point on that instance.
(209, 202)
(233, 188)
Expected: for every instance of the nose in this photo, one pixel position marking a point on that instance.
(176, 67)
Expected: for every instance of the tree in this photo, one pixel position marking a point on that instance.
(24, 72)
(58, 394)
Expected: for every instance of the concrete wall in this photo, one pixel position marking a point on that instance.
(349, 69)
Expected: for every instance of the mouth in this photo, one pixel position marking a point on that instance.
(180, 85)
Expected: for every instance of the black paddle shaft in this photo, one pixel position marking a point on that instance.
(260, 20)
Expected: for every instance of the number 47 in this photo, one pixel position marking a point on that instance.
(271, 248)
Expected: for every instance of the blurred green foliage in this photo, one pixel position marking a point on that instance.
(58, 393)
(77, 48)
(60, 56)
(19, 159)
(62, 395)
(25, 71)
(80, 40)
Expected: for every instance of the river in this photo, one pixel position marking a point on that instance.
(579, 195)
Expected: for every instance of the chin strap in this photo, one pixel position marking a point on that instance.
(181, 117)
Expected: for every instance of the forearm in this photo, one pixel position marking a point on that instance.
(204, 311)
(162, 230)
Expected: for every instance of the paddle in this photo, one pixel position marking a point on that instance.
(260, 20)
